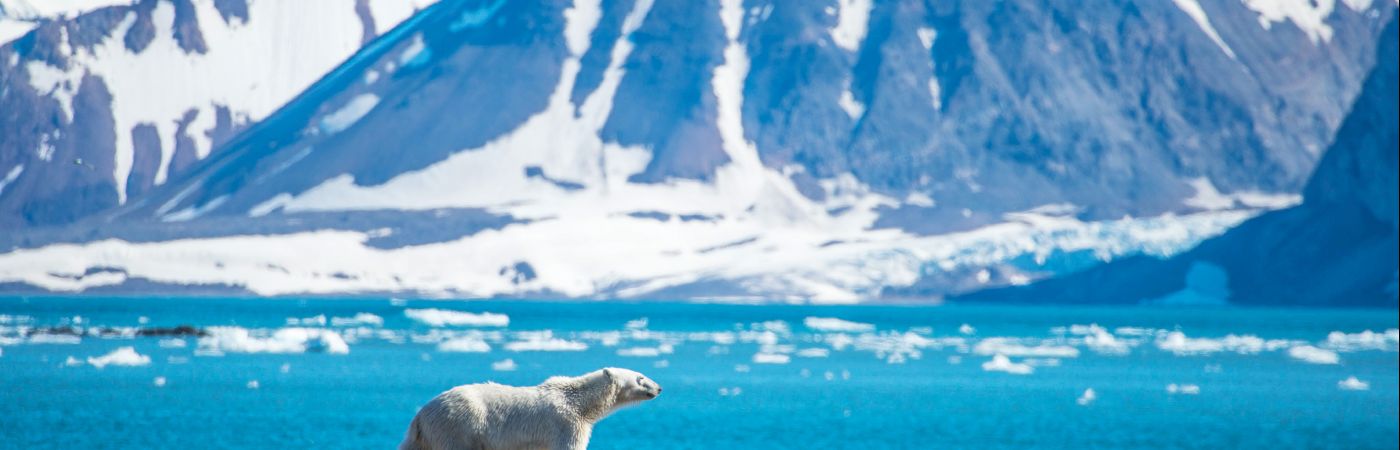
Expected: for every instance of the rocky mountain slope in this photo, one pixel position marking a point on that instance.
(103, 100)
(836, 150)
(1339, 247)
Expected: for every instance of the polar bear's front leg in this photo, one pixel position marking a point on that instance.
(573, 438)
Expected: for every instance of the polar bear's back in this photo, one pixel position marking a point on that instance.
(486, 416)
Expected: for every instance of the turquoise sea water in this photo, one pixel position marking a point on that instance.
(888, 377)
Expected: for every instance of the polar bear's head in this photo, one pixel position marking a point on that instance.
(632, 386)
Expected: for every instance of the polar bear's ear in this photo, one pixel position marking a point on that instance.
(608, 373)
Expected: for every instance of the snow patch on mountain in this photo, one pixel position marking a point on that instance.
(49, 9)
(388, 13)
(1209, 198)
(19, 17)
(1308, 15)
(347, 115)
(852, 23)
(10, 177)
(1193, 8)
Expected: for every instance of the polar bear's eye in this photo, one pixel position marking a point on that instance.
(641, 381)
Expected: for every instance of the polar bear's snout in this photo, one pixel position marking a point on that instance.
(636, 387)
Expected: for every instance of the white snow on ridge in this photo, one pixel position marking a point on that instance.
(353, 110)
(1308, 15)
(854, 108)
(11, 29)
(852, 23)
(10, 177)
(1209, 198)
(580, 20)
(1193, 8)
(51, 9)
(388, 13)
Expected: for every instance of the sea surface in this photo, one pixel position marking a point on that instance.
(351, 373)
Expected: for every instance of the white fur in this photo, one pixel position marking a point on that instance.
(558, 414)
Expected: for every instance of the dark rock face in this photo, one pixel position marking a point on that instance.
(143, 31)
(666, 101)
(366, 21)
(68, 177)
(185, 153)
(187, 32)
(145, 160)
(232, 9)
(1338, 248)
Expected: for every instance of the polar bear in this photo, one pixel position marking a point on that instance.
(558, 414)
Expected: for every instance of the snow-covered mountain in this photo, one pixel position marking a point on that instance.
(104, 105)
(836, 150)
(1339, 247)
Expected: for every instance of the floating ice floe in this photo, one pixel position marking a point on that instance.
(1183, 389)
(967, 329)
(173, 343)
(72, 362)
(1134, 331)
(505, 365)
(1177, 343)
(1353, 384)
(361, 319)
(1310, 354)
(1000, 363)
(545, 342)
(1099, 340)
(771, 358)
(158, 382)
(286, 340)
(1365, 340)
(314, 321)
(1013, 347)
(441, 317)
(468, 344)
(835, 324)
(814, 352)
(253, 384)
(61, 339)
(124, 356)
(1087, 397)
(636, 324)
(646, 352)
